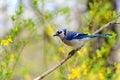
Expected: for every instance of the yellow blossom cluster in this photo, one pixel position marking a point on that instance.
(99, 54)
(49, 30)
(61, 50)
(84, 68)
(82, 71)
(101, 76)
(6, 42)
(75, 73)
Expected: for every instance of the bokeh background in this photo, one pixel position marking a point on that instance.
(28, 48)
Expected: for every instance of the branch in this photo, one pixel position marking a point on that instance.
(71, 53)
(105, 26)
(108, 24)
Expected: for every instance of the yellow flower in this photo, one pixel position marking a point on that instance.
(71, 76)
(61, 50)
(83, 66)
(4, 42)
(80, 53)
(11, 57)
(75, 73)
(101, 76)
(99, 55)
(50, 30)
(118, 68)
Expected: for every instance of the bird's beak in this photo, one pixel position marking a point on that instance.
(55, 34)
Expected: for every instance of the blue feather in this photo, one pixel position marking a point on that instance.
(70, 35)
(74, 35)
(98, 35)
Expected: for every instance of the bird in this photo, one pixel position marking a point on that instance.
(76, 39)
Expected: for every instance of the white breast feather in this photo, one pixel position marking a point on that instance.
(76, 43)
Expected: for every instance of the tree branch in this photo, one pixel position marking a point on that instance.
(105, 26)
(72, 52)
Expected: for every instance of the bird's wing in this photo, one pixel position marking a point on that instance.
(75, 35)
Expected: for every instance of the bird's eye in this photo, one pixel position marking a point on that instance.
(59, 32)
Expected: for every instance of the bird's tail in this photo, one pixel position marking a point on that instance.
(99, 35)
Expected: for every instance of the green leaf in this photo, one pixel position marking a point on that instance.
(48, 15)
(63, 10)
(13, 17)
(35, 2)
(20, 10)
(91, 5)
(8, 73)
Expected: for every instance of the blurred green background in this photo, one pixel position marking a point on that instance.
(28, 48)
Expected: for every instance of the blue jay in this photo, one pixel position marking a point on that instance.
(76, 39)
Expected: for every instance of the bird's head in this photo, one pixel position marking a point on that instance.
(61, 33)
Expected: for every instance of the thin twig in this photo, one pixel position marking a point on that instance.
(71, 53)
(108, 24)
(104, 26)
